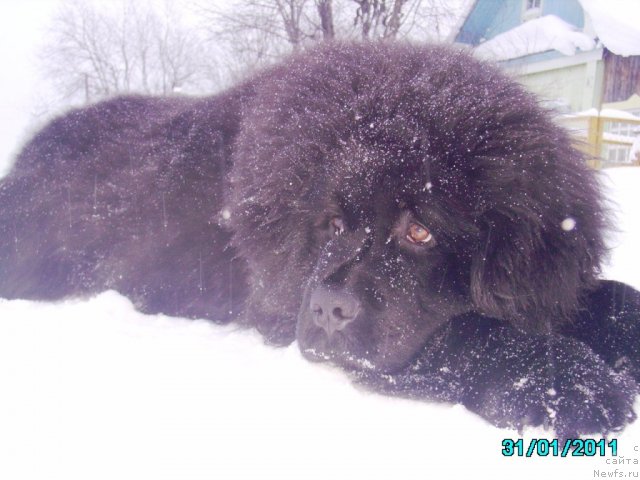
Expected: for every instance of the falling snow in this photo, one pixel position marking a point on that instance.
(568, 224)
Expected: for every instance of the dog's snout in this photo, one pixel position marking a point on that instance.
(333, 310)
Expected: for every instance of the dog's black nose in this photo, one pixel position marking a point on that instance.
(333, 310)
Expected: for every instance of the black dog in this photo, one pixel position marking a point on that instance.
(405, 212)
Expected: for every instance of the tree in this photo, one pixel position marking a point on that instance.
(97, 50)
(254, 32)
(325, 12)
(391, 19)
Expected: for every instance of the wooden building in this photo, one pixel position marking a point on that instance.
(581, 56)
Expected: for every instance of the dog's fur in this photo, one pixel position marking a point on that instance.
(286, 204)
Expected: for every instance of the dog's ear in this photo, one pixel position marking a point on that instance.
(539, 253)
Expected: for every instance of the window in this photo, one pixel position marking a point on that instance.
(616, 154)
(531, 9)
(621, 128)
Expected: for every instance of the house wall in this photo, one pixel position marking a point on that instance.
(487, 19)
(572, 88)
(568, 10)
(622, 77)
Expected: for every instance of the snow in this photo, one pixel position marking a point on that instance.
(568, 224)
(605, 112)
(93, 389)
(545, 33)
(617, 24)
(622, 183)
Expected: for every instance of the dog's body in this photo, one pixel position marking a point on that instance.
(145, 223)
(405, 212)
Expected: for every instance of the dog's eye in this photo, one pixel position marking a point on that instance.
(337, 225)
(417, 233)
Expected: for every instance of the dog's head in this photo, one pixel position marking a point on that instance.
(379, 190)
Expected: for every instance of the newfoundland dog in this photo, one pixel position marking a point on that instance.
(405, 212)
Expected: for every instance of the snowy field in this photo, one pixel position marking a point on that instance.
(93, 389)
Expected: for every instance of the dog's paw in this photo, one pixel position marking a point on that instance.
(609, 323)
(589, 396)
(568, 389)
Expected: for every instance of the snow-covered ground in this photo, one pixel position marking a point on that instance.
(93, 389)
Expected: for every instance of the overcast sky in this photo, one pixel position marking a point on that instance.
(23, 96)
(22, 26)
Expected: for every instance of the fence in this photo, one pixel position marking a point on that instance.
(610, 137)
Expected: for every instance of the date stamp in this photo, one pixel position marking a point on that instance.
(542, 447)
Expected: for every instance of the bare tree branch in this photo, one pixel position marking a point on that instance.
(96, 50)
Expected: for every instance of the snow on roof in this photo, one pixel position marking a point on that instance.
(545, 33)
(605, 112)
(617, 24)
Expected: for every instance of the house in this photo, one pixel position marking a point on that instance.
(581, 56)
